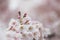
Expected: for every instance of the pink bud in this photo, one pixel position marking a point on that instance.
(18, 17)
(25, 15)
(19, 13)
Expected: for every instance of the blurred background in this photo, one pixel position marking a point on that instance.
(45, 11)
